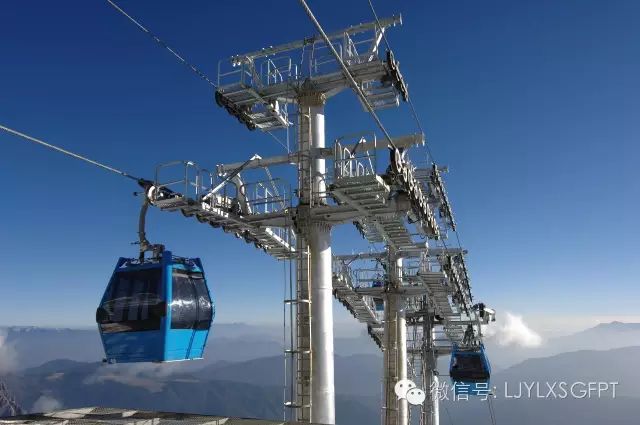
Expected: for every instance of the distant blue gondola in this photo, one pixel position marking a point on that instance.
(470, 370)
(155, 310)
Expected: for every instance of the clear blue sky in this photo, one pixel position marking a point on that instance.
(535, 107)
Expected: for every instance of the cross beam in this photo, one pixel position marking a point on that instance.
(355, 29)
(321, 153)
(419, 250)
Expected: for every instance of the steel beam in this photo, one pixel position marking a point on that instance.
(291, 158)
(420, 249)
(318, 152)
(355, 29)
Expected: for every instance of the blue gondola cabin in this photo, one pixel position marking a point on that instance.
(470, 370)
(158, 310)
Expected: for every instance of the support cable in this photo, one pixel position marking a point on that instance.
(280, 142)
(414, 113)
(69, 153)
(413, 109)
(180, 58)
(347, 74)
(491, 411)
(162, 44)
(446, 409)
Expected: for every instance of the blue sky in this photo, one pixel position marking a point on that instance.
(533, 105)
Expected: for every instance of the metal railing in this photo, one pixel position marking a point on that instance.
(278, 70)
(257, 74)
(261, 72)
(321, 59)
(360, 278)
(267, 196)
(359, 50)
(352, 161)
(183, 177)
(230, 75)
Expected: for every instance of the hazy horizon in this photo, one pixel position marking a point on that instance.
(348, 328)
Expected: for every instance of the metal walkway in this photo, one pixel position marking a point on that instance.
(361, 307)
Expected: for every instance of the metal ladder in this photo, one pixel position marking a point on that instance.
(299, 350)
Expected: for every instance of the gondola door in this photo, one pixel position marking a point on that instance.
(190, 313)
(131, 315)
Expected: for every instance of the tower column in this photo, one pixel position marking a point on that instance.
(430, 409)
(312, 192)
(316, 115)
(403, 405)
(390, 372)
(396, 412)
(322, 376)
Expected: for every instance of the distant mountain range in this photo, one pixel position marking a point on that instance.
(619, 411)
(358, 375)
(252, 389)
(245, 372)
(66, 383)
(233, 342)
(237, 342)
(605, 336)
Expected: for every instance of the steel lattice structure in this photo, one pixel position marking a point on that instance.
(361, 180)
(424, 289)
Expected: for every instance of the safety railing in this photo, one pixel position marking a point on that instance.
(278, 70)
(225, 198)
(232, 74)
(352, 159)
(267, 196)
(428, 264)
(187, 181)
(183, 177)
(351, 50)
(364, 277)
(360, 278)
(322, 60)
(285, 234)
(359, 49)
(257, 73)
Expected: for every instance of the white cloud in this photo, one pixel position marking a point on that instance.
(8, 355)
(510, 330)
(45, 404)
(144, 375)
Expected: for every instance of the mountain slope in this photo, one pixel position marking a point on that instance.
(253, 388)
(231, 342)
(354, 375)
(619, 411)
(605, 336)
(578, 366)
(618, 365)
(150, 387)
